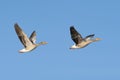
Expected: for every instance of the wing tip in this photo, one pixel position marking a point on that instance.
(72, 27)
(16, 24)
(34, 31)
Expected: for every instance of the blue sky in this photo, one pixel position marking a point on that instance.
(51, 20)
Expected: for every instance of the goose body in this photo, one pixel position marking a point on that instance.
(29, 43)
(79, 41)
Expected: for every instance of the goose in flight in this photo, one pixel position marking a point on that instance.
(29, 43)
(79, 41)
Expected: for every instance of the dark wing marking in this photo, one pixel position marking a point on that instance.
(33, 37)
(22, 36)
(76, 37)
(92, 35)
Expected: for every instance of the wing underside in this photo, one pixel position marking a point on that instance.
(22, 36)
(33, 37)
(76, 37)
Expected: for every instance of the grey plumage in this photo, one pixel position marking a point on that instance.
(81, 42)
(29, 43)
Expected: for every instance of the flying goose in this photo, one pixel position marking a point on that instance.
(29, 43)
(79, 41)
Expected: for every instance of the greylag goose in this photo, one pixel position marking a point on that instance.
(29, 43)
(79, 41)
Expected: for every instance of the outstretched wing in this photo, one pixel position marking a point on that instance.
(33, 37)
(89, 36)
(22, 36)
(76, 37)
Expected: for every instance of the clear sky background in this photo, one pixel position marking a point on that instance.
(51, 19)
